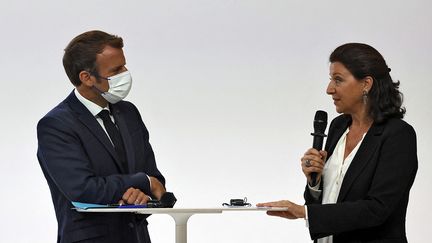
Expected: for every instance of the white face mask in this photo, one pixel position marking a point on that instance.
(119, 87)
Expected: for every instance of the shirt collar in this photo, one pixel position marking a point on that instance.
(92, 107)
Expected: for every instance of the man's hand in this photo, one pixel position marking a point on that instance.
(157, 189)
(294, 211)
(134, 196)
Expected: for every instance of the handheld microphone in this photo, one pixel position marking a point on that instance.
(167, 201)
(320, 124)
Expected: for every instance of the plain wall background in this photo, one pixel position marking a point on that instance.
(228, 90)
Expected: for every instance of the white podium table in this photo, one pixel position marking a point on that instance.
(180, 215)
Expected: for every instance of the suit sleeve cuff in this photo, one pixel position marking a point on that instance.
(141, 181)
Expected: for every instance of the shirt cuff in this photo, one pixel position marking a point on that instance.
(315, 191)
(150, 186)
(306, 216)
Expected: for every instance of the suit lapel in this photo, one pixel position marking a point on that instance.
(361, 159)
(84, 115)
(127, 140)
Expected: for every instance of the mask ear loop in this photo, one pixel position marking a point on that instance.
(97, 90)
(98, 77)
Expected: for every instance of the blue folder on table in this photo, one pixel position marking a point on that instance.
(80, 205)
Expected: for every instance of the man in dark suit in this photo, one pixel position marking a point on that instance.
(93, 147)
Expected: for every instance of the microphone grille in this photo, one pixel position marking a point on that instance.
(320, 121)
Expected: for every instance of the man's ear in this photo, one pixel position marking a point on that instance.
(86, 78)
(368, 82)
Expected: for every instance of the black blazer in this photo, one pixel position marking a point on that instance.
(80, 164)
(373, 199)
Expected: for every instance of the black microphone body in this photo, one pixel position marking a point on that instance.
(318, 140)
(320, 124)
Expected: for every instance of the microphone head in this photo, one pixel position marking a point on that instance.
(320, 122)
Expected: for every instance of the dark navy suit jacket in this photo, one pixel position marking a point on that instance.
(80, 164)
(373, 199)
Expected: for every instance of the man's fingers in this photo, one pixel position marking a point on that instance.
(134, 196)
(138, 198)
(130, 195)
(145, 199)
(127, 194)
(141, 198)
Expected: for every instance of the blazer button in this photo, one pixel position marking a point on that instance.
(131, 225)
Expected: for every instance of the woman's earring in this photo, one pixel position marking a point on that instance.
(365, 97)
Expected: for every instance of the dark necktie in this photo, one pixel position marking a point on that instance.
(115, 136)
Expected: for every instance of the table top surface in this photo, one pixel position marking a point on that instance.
(179, 210)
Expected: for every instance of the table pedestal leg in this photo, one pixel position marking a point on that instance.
(181, 226)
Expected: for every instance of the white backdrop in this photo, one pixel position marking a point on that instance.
(228, 90)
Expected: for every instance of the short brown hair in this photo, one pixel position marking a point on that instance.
(80, 53)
